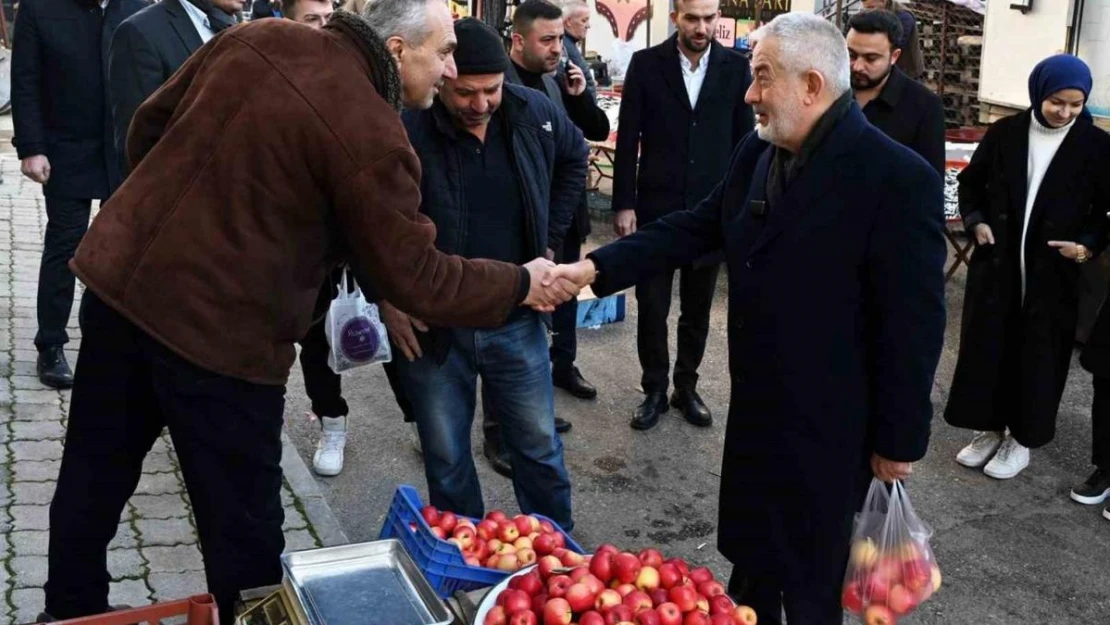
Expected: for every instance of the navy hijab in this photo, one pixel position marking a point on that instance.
(1062, 71)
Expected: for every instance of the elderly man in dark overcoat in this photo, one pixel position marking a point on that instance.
(832, 234)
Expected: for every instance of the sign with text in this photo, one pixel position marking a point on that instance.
(746, 9)
(726, 31)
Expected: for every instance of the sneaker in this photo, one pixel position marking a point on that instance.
(1094, 491)
(981, 449)
(328, 459)
(1011, 459)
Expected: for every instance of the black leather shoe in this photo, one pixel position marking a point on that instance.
(692, 408)
(53, 369)
(572, 382)
(562, 426)
(498, 459)
(648, 413)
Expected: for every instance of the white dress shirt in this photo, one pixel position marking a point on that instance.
(200, 21)
(692, 76)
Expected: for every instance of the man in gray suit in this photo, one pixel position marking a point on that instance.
(149, 46)
(576, 23)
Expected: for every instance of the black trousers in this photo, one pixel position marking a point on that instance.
(807, 606)
(1100, 424)
(564, 321)
(227, 435)
(66, 222)
(323, 386)
(696, 286)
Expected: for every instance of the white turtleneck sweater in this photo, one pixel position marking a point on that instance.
(1043, 144)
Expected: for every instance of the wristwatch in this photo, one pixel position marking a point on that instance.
(1081, 254)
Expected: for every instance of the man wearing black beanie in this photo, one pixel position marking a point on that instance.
(503, 172)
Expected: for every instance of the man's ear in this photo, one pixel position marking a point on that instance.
(396, 47)
(895, 55)
(815, 85)
(517, 40)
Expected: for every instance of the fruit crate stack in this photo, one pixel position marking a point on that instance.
(951, 45)
(439, 554)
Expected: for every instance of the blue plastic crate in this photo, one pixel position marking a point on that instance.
(442, 562)
(594, 312)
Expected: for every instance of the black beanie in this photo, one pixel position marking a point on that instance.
(479, 50)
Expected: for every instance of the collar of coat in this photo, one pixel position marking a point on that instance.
(383, 69)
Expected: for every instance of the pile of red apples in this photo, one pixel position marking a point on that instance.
(497, 541)
(885, 585)
(616, 588)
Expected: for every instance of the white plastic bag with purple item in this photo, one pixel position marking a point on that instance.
(355, 331)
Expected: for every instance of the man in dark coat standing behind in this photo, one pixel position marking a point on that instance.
(683, 111)
(63, 135)
(836, 317)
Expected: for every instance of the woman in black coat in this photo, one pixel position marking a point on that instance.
(1035, 196)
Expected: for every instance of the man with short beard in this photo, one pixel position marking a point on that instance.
(503, 171)
(835, 250)
(273, 155)
(904, 109)
(682, 113)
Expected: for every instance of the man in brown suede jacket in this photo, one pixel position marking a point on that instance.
(274, 153)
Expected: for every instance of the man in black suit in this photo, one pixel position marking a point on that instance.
(149, 47)
(904, 109)
(63, 135)
(683, 107)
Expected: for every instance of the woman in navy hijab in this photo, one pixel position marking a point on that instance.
(1035, 197)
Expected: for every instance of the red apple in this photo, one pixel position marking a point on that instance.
(523, 543)
(917, 575)
(538, 602)
(497, 516)
(560, 540)
(651, 557)
(721, 604)
(579, 598)
(439, 532)
(889, 569)
(536, 526)
(669, 614)
(472, 561)
(526, 557)
(606, 600)
(684, 597)
(486, 529)
(448, 520)
(602, 566)
(648, 617)
(524, 617)
(571, 559)
(530, 584)
(852, 598)
(711, 589)
(593, 583)
(658, 596)
(505, 548)
(638, 600)
(879, 615)
(626, 589)
(696, 618)
(465, 522)
(494, 544)
(546, 527)
(576, 574)
(507, 562)
(522, 524)
(700, 574)
(515, 601)
(465, 535)
(702, 604)
(669, 575)
(431, 515)
(544, 544)
(591, 618)
(556, 612)
(720, 619)
(557, 586)
(681, 564)
(901, 600)
(875, 589)
(496, 616)
(620, 614)
(491, 562)
(744, 615)
(648, 579)
(606, 548)
(480, 549)
(507, 532)
(626, 567)
(547, 564)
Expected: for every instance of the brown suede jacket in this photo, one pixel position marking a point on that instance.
(267, 159)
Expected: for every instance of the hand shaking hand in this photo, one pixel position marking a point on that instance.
(554, 284)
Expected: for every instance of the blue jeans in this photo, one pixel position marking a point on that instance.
(512, 361)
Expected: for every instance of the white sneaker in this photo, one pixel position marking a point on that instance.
(981, 449)
(1011, 458)
(328, 459)
(416, 438)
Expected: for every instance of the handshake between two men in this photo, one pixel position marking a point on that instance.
(554, 284)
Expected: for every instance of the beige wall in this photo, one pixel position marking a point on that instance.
(1013, 42)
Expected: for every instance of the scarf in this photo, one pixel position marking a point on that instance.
(785, 166)
(217, 19)
(1056, 73)
(383, 69)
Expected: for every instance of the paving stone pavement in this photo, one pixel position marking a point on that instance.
(155, 556)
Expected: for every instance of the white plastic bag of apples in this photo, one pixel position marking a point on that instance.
(891, 570)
